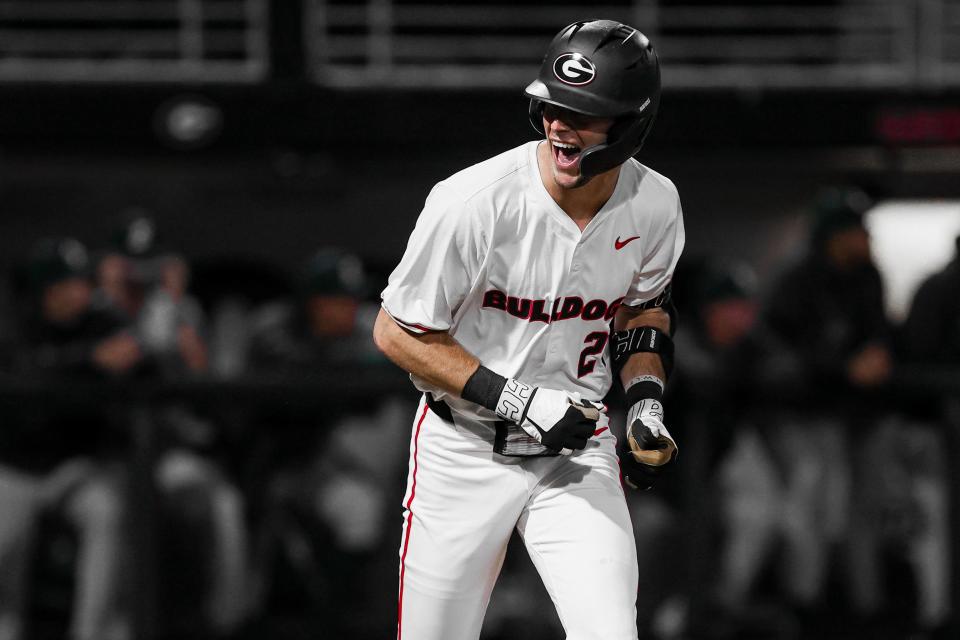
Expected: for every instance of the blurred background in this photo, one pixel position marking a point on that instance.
(201, 201)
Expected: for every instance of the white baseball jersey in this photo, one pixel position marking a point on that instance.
(498, 264)
(495, 262)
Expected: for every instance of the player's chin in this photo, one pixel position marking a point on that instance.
(566, 176)
(568, 180)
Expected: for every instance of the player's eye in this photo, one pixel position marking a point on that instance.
(572, 119)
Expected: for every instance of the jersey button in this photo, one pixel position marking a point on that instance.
(576, 266)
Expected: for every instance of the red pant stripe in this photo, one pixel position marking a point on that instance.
(406, 538)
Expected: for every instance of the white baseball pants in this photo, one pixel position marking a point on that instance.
(461, 505)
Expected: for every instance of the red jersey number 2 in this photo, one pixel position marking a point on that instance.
(595, 342)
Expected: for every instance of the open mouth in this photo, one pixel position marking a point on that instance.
(565, 155)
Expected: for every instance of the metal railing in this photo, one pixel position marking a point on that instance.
(791, 44)
(482, 43)
(133, 40)
(939, 50)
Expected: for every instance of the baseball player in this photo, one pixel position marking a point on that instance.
(501, 310)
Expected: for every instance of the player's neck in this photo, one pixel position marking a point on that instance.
(580, 203)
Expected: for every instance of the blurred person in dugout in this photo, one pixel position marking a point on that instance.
(324, 324)
(760, 505)
(150, 287)
(827, 309)
(333, 477)
(931, 333)
(728, 353)
(722, 345)
(929, 337)
(62, 459)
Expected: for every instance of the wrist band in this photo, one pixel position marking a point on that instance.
(484, 388)
(643, 388)
(646, 378)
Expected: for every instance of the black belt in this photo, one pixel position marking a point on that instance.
(510, 439)
(439, 407)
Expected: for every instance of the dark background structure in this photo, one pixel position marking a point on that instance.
(256, 131)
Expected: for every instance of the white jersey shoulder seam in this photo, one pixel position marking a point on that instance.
(663, 180)
(469, 194)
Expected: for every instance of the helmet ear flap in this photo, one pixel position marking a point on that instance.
(596, 159)
(624, 139)
(620, 128)
(535, 114)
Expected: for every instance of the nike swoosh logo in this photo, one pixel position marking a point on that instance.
(620, 245)
(599, 431)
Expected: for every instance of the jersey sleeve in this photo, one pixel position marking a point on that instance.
(438, 267)
(651, 284)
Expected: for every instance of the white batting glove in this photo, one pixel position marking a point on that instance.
(557, 419)
(650, 442)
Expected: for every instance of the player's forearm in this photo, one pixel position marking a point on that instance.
(434, 357)
(641, 364)
(643, 375)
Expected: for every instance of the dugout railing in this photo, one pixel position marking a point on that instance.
(706, 45)
(133, 41)
(361, 44)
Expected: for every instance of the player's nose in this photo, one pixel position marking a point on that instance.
(558, 125)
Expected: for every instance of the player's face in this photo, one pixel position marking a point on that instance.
(850, 247)
(569, 133)
(66, 300)
(331, 316)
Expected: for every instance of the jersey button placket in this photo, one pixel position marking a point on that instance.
(557, 347)
(559, 338)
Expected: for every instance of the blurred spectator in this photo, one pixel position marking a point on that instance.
(931, 333)
(917, 468)
(325, 325)
(126, 268)
(52, 456)
(727, 361)
(830, 306)
(828, 310)
(723, 313)
(170, 321)
(332, 476)
(908, 515)
(198, 494)
(151, 288)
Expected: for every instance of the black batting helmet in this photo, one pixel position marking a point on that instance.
(52, 260)
(836, 209)
(606, 69)
(333, 271)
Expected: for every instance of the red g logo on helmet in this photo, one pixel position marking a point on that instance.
(574, 68)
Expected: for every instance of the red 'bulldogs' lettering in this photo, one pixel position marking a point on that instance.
(495, 299)
(518, 307)
(572, 307)
(565, 308)
(594, 310)
(537, 315)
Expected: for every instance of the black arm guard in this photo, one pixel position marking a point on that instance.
(623, 344)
